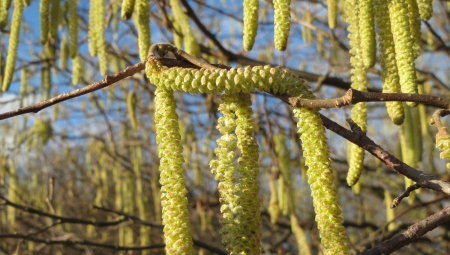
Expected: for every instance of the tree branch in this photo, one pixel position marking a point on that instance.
(411, 235)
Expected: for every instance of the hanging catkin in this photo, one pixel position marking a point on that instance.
(250, 23)
(282, 12)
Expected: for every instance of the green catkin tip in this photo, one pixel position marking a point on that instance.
(54, 19)
(389, 71)
(332, 13)
(44, 10)
(143, 25)
(282, 12)
(13, 44)
(64, 53)
(367, 32)
(250, 23)
(131, 106)
(73, 28)
(425, 9)
(127, 9)
(404, 54)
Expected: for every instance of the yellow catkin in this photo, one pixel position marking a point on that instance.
(127, 8)
(76, 70)
(142, 22)
(321, 180)
(100, 40)
(93, 23)
(306, 32)
(250, 23)
(409, 147)
(177, 230)
(190, 43)
(44, 11)
(54, 19)
(282, 12)
(332, 13)
(300, 237)
(46, 81)
(23, 85)
(367, 32)
(359, 82)
(414, 25)
(389, 71)
(13, 44)
(73, 27)
(320, 45)
(248, 233)
(131, 107)
(4, 6)
(425, 9)
(177, 38)
(398, 11)
(13, 189)
(64, 53)
(285, 179)
(274, 208)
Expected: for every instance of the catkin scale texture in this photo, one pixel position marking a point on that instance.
(250, 23)
(282, 12)
(403, 47)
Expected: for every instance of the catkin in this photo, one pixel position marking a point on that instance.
(414, 25)
(4, 6)
(100, 33)
(131, 106)
(127, 9)
(54, 19)
(94, 13)
(282, 12)
(64, 53)
(143, 26)
(425, 9)
(321, 180)
(190, 43)
(177, 231)
(367, 32)
(250, 23)
(73, 27)
(359, 82)
(263, 78)
(76, 70)
(389, 72)
(403, 47)
(332, 13)
(44, 10)
(13, 44)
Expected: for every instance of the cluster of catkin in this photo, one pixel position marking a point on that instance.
(241, 229)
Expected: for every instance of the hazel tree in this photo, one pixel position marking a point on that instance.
(213, 141)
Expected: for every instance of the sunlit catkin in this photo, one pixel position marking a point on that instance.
(131, 107)
(389, 72)
(100, 33)
(425, 9)
(282, 12)
(13, 44)
(300, 237)
(54, 19)
(127, 8)
(404, 54)
(414, 25)
(73, 27)
(250, 23)
(44, 12)
(142, 22)
(248, 231)
(367, 32)
(93, 24)
(332, 13)
(76, 69)
(190, 43)
(4, 6)
(177, 230)
(224, 169)
(359, 82)
(321, 179)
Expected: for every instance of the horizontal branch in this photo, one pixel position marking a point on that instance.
(412, 234)
(64, 219)
(354, 96)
